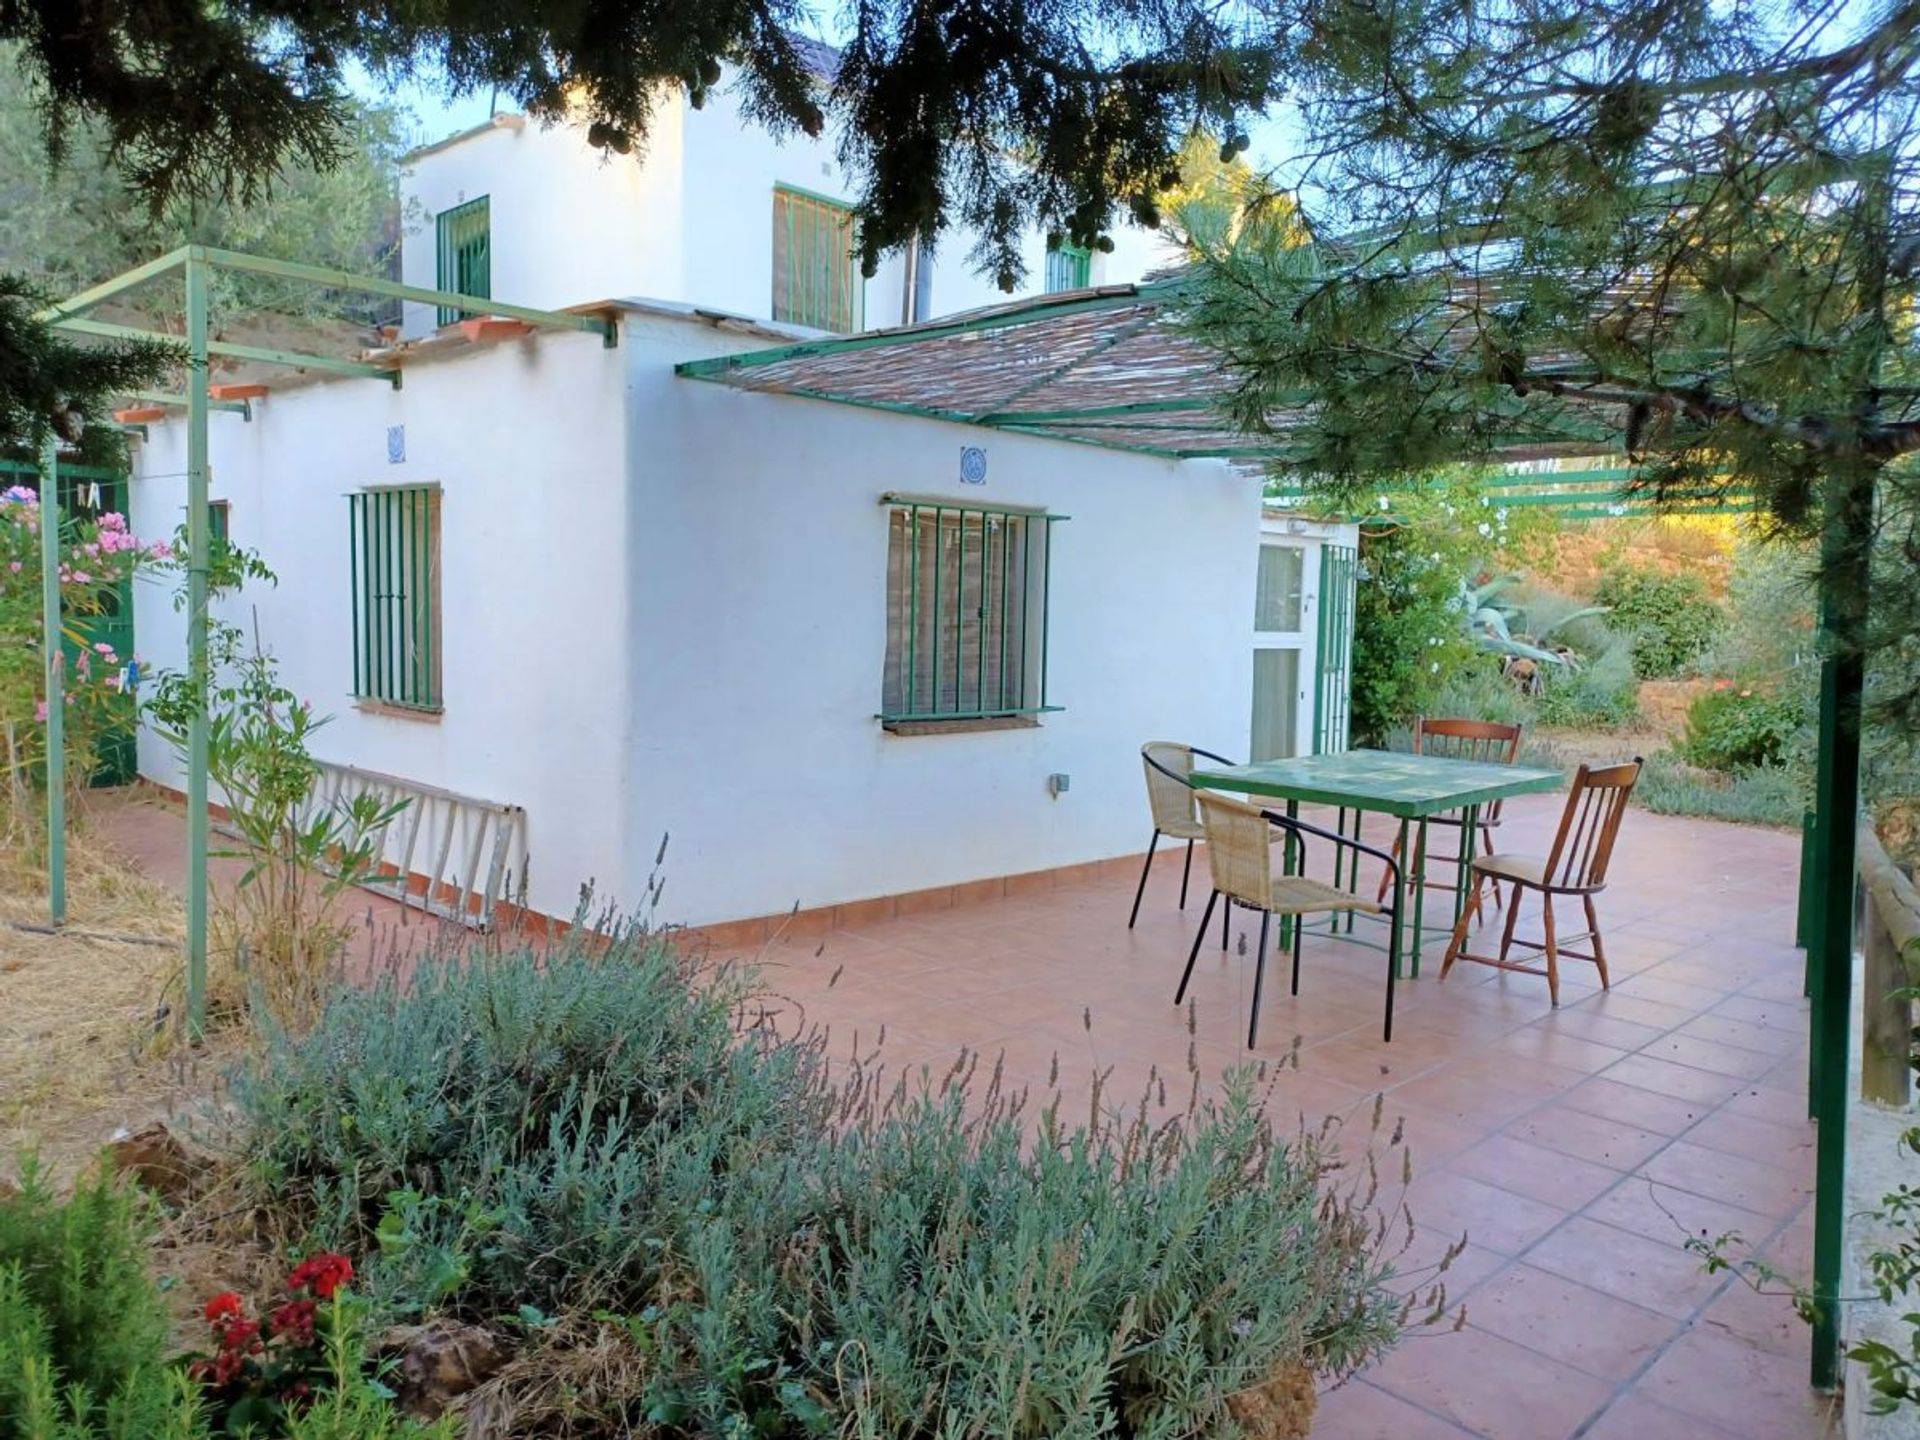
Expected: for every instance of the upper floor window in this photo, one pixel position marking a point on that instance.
(816, 278)
(463, 260)
(1069, 267)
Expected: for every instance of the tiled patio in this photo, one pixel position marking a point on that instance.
(1577, 1149)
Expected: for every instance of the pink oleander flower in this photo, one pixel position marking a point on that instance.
(103, 648)
(14, 567)
(113, 520)
(40, 712)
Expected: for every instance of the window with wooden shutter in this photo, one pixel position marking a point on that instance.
(464, 253)
(395, 564)
(967, 600)
(816, 278)
(1069, 267)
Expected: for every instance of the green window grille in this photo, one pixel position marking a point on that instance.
(967, 593)
(1069, 267)
(816, 278)
(1339, 566)
(219, 513)
(395, 558)
(463, 254)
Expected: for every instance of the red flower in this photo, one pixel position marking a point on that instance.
(240, 1334)
(223, 1307)
(227, 1366)
(322, 1274)
(294, 1320)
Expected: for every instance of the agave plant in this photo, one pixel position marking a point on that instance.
(1500, 626)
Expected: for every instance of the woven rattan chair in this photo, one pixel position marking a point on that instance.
(1170, 795)
(1487, 741)
(1576, 865)
(1240, 854)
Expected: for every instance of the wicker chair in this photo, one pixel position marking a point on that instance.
(1576, 865)
(1240, 854)
(1484, 740)
(1170, 795)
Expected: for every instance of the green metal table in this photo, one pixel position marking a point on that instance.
(1410, 788)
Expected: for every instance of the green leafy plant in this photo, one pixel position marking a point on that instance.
(1735, 728)
(1760, 795)
(778, 1251)
(1671, 616)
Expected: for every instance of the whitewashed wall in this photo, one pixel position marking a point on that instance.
(527, 442)
(664, 615)
(689, 221)
(760, 632)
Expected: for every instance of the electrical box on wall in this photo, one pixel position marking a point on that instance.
(1058, 785)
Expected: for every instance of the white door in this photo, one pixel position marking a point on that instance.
(1284, 608)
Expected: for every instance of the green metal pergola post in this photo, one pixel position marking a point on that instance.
(198, 543)
(1845, 570)
(55, 665)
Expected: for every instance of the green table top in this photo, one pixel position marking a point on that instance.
(1384, 781)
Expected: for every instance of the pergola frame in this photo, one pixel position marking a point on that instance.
(1138, 383)
(196, 265)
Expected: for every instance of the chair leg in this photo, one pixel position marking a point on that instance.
(1226, 914)
(1553, 950)
(1194, 953)
(1145, 870)
(1259, 977)
(1593, 931)
(1298, 926)
(1468, 914)
(1386, 876)
(1513, 918)
(1186, 871)
(1485, 843)
(1393, 974)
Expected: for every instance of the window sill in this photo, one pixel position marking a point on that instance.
(965, 726)
(428, 714)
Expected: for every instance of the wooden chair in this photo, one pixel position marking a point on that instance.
(1170, 796)
(1487, 741)
(1576, 865)
(1240, 855)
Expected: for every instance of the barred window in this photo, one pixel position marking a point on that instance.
(395, 545)
(816, 279)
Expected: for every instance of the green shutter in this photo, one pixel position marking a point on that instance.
(816, 277)
(1069, 267)
(463, 253)
(966, 612)
(394, 565)
(1334, 665)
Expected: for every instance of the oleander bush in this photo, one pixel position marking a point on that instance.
(1671, 616)
(1736, 728)
(597, 1141)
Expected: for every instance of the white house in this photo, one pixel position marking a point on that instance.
(829, 654)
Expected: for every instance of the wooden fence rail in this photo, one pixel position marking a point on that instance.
(1890, 939)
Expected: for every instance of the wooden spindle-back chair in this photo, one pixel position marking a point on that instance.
(1487, 741)
(1576, 865)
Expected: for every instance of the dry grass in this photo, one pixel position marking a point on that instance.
(86, 1043)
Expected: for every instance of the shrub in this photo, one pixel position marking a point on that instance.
(1600, 693)
(1733, 729)
(779, 1256)
(1762, 795)
(1480, 692)
(1671, 617)
(82, 1334)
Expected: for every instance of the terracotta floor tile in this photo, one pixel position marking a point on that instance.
(1750, 1184)
(1674, 1217)
(1681, 1082)
(1632, 1418)
(1491, 1387)
(1626, 1266)
(1759, 1314)
(1766, 1102)
(1788, 1015)
(1362, 1411)
(1533, 1170)
(1726, 1029)
(1631, 1105)
(1708, 1055)
(1590, 1023)
(1571, 1052)
(1570, 1322)
(1655, 1014)
(1752, 1393)
(1497, 1219)
(1786, 1147)
(1592, 1138)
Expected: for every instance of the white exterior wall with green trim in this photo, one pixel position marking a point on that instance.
(526, 441)
(664, 613)
(760, 620)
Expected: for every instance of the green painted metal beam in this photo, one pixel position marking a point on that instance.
(53, 661)
(73, 472)
(154, 397)
(199, 676)
(721, 365)
(118, 285)
(606, 329)
(1844, 578)
(295, 359)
